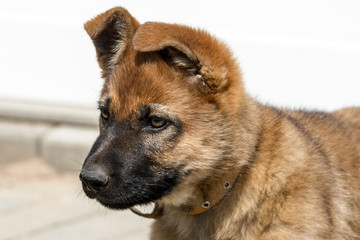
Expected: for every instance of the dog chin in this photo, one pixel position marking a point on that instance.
(115, 205)
(123, 205)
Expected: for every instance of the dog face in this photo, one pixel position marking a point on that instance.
(166, 108)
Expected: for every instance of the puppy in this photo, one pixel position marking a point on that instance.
(177, 129)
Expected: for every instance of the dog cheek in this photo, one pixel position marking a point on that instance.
(158, 143)
(101, 126)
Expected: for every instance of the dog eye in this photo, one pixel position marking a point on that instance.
(105, 114)
(157, 122)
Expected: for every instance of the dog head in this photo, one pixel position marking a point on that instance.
(168, 105)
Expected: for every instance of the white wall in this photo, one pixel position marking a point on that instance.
(292, 53)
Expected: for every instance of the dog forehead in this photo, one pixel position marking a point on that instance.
(139, 80)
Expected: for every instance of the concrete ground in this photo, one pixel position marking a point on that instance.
(39, 203)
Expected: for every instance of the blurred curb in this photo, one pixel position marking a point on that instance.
(65, 147)
(48, 113)
(60, 135)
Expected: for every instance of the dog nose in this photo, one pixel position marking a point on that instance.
(94, 180)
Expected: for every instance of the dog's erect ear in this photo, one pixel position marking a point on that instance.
(204, 59)
(111, 33)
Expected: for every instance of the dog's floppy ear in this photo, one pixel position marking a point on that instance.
(111, 34)
(204, 59)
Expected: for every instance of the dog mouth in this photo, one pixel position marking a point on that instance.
(148, 210)
(125, 196)
(118, 205)
(121, 202)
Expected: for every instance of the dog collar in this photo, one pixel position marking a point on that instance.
(210, 194)
(213, 191)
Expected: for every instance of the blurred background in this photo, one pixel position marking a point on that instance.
(292, 53)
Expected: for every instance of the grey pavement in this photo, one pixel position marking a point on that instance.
(38, 203)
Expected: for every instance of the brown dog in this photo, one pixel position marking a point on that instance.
(178, 130)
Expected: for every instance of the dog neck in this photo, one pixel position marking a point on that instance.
(207, 195)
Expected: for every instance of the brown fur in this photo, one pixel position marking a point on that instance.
(297, 172)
